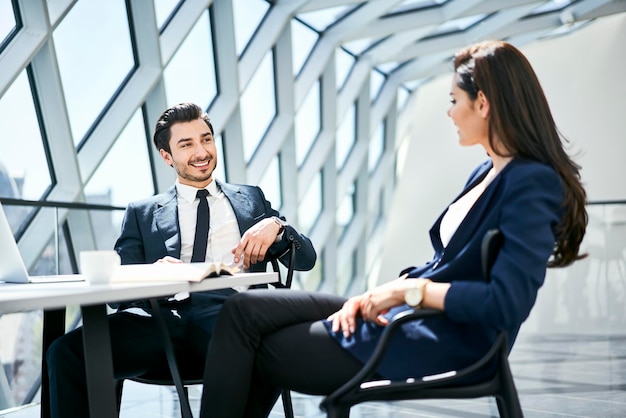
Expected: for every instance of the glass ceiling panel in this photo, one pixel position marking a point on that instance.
(376, 83)
(91, 68)
(343, 65)
(7, 21)
(258, 105)
(359, 46)
(456, 25)
(413, 5)
(24, 171)
(190, 75)
(303, 39)
(164, 10)
(550, 6)
(320, 20)
(248, 14)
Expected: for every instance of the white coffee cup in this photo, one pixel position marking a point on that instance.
(98, 266)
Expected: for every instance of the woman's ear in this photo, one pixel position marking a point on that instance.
(483, 104)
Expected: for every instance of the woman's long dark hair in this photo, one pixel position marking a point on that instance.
(521, 119)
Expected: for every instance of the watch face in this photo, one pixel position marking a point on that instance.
(413, 296)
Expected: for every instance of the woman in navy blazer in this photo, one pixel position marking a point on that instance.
(529, 189)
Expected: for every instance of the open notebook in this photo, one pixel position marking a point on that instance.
(12, 268)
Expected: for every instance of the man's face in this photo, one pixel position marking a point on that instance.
(193, 154)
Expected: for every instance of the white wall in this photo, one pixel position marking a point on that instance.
(584, 77)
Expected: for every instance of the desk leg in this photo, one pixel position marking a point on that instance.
(98, 362)
(53, 328)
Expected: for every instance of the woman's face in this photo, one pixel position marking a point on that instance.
(469, 116)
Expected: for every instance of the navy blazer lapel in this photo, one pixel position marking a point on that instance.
(166, 221)
(241, 204)
(470, 223)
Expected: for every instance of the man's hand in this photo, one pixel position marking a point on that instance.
(255, 242)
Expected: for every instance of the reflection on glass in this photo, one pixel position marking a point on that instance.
(346, 136)
(95, 55)
(124, 174)
(376, 83)
(311, 206)
(258, 105)
(343, 64)
(302, 41)
(190, 75)
(24, 171)
(163, 9)
(376, 146)
(345, 211)
(307, 123)
(247, 15)
(7, 20)
(270, 183)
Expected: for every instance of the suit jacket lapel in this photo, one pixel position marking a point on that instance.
(470, 223)
(166, 222)
(241, 204)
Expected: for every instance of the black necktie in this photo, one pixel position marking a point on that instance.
(202, 227)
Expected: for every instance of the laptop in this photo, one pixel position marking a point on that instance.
(12, 268)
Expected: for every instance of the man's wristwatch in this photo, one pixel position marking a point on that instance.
(414, 296)
(281, 224)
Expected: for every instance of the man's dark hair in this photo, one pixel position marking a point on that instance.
(183, 112)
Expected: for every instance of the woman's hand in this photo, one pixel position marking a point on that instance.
(345, 318)
(371, 305)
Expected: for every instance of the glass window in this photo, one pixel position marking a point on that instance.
(220, 168)
(164, 9)
(311, 206)
(248, 14)
(95, 55)
(270, 183)
(307, 123)
(345, 211)
(377, 79)
(113, 183)
(343, 64)
(346, 136)
(321, 19)
(312, 279)
(258, 105)
(7, 21)
(346, 273)
(402, 97)
(24, 171)
(303, 39)
(376, 147)
(190, 75)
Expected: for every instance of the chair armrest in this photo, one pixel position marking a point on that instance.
(290, 268)
(369, 368)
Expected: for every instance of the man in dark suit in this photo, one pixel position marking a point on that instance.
(243, 229)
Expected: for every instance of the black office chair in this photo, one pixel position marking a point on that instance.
(451, 385)
(182, 373)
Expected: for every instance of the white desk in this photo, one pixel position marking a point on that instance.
(54, 297)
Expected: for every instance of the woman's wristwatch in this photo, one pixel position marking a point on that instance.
(414, 295)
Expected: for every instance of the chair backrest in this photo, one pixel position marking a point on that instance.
(492, 241)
